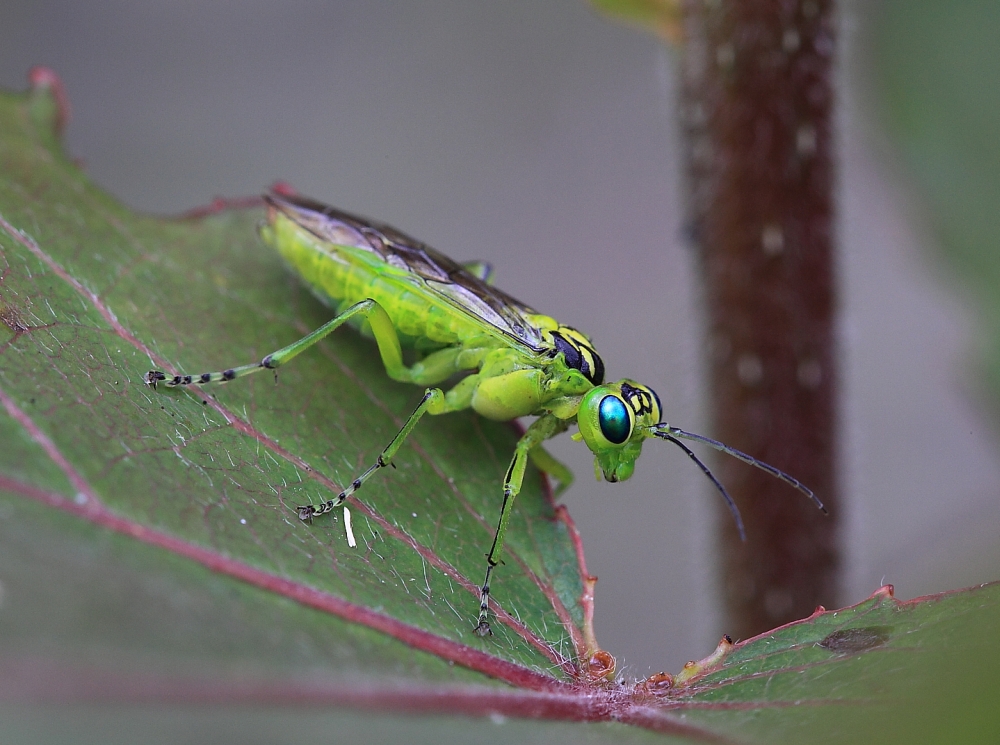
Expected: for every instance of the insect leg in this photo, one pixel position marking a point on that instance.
(540, 430)
(440, 365)
(433, 402)
(385, 335)
(544, 461)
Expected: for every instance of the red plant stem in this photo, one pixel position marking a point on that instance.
(757, 110)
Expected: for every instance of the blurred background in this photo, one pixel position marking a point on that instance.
(544, 138)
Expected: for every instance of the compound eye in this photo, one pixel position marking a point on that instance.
(613, 416)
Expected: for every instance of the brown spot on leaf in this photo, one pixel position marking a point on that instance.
(847, 641)
(11, 319)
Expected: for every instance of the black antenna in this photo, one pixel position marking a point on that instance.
(668, 432)
(718, 484)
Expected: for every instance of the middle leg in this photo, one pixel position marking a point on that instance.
(435, 401)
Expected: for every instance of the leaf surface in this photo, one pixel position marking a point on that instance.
(93, 296)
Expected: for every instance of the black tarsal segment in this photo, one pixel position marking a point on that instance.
(228, 374)
(266, 362)
(206, 377)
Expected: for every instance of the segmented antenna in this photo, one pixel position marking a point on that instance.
(666, 432)
(733, 509)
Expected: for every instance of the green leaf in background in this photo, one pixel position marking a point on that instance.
(938, 70)
(150, 553)
(662, 17)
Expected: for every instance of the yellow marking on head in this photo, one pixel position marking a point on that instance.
(640, 399)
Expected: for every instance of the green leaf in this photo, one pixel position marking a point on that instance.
(937, 77)
(916, 671)
(94, 296)
(149, 548)
(662, 17)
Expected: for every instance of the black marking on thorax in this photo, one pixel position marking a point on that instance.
(578, 354)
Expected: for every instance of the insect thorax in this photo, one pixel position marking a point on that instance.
(577, 351)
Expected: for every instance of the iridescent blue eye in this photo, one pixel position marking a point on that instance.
(614, 420)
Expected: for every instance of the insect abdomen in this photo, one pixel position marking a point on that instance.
(342, 275)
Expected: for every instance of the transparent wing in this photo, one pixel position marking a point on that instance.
(441, 275)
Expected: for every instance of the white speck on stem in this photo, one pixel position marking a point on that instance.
(805, 140)
(772, 239)
(790, 40)
(749, 369)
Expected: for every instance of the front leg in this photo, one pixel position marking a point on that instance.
(540, 430)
